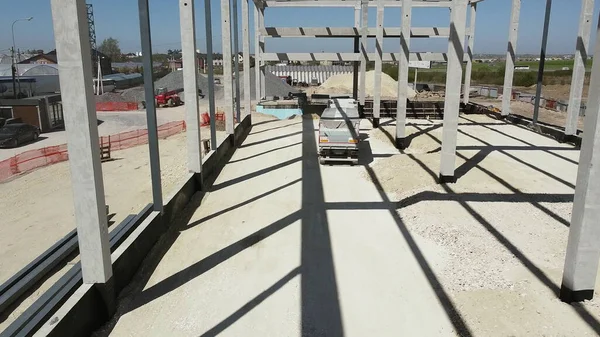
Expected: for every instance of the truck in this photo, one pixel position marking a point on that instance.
(339, 134)
(163, 96)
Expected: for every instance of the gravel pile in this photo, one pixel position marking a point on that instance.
(342, 84)
(174, 81)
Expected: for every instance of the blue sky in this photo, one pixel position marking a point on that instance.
(119, 19)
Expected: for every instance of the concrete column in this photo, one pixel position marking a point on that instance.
(211, 77)
(146, 40)
(236, 53)
(540, 78)
(75, 68)
(513, 32)
(246, 50)
(261, 22)
(403, 74)
(378, 64)
(227, 60)
(581, 53)
(257, 53)
(583, 247)
(469, 67)
(458, 18)
(190, 84)
(364, 31)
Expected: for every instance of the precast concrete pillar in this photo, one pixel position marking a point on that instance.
(364, 31)
(458, 18)
(246, 51)
(75, 68)
(403, 74)
(190, 84)
(227, 65)
(513, 32)
(470, 45)
(583, 246)
(581, 55)
(378, 64)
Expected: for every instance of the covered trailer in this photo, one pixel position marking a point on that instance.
(339, 133)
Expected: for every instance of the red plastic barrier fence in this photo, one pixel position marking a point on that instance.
(32, 159)
(116, 106)
(205, 119)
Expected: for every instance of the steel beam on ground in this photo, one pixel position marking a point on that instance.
(458, 18)
(75, 68)
(350, 32)
(540, 79)
(513, 33)
(583, 247)
(246, 63)
(190, 84)
(364, 29)
(146, 40)
(227, 66)
(236, 57)
(469, 66)
(403, 74)
(581, 54)
(257, 55)
(211, 77)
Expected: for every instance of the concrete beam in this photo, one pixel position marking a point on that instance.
(75, 68)
(211, 77)
(190, 84)
(339, 32)
(333, 3)
(246, 50)
(403, 74)
(364, 29)
(227, 66)
(583, 247)
(386, 57)
(458, 18)
(581, 54)
(378, 64)
(513, 33)
(469, 67)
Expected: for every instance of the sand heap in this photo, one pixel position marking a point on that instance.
(342, 84)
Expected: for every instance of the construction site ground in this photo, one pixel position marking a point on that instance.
(37, 208)
(282, 246)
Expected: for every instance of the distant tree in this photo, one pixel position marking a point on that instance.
(110, 47)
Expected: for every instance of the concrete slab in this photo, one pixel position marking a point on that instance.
(282, 246)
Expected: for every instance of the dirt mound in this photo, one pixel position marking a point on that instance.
(342, 84)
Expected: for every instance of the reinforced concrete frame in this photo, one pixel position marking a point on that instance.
(73, 52)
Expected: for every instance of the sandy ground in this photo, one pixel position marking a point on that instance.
(552, 117)
(282, 246)
(37, 208)
(555, 91)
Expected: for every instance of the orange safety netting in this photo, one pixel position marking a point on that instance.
(116, 106)
(32, 159)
